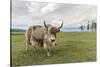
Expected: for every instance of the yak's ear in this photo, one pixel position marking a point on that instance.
(45, 24)
(58, 30)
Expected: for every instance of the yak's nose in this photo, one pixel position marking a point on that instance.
(52, 40)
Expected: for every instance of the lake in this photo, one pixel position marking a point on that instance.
(75, 30)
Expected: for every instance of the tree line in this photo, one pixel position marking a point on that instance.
(89, 26)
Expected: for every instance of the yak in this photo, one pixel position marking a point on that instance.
(42, 36)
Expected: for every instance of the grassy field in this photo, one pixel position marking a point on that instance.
(72, 47)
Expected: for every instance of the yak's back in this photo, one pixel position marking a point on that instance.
(38, 32)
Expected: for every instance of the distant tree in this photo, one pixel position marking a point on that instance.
(82, 27)
(93, 26)
(88, 26)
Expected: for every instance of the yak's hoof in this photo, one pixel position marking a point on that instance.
(49, 55)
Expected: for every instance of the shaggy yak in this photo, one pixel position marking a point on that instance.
(42, 36)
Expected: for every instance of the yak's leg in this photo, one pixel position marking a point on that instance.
(27, 46)
(48, 52)
(33, 42)
(27, 37)
(46, 47)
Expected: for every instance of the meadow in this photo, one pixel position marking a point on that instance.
(72, 47)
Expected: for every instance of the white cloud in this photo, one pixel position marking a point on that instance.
(32, 13)
(49, 8)
(33, 8)
(57, 23)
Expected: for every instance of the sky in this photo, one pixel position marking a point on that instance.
(27, 13)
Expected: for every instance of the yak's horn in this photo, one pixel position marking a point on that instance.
(61, 25)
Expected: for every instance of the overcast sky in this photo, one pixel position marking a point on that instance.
(26, 13)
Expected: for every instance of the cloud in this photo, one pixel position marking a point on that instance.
(19, 7)
(32, 13)
(77, 14)
(50, 8)
(34, 8)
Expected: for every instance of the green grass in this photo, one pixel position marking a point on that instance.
(72, 47)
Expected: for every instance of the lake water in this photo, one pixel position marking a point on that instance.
(75, 30)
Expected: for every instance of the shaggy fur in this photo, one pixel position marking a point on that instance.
(41, 36)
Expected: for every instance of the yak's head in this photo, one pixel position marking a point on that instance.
(52, 31)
